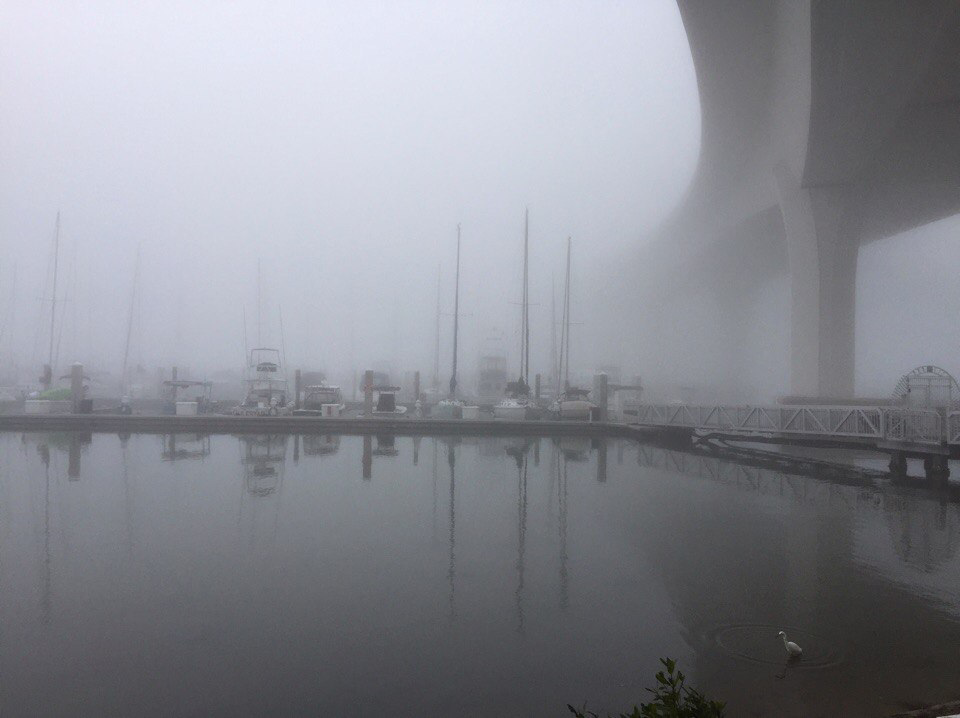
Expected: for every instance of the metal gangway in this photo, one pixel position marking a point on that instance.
(885, 427)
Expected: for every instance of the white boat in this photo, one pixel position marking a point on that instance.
(266, 393)
(572, 409)
(321, 400)
(514, 409)
(447, 409)
(571, 403)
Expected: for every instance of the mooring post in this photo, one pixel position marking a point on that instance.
(416, 386)
(296, 389)
(76, 386)
(600, 394)
(536, 388)
(368, 392)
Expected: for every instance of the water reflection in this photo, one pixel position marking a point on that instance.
(452, 541)
(494, 583)
(190, 447)
(320, 444)
(263, 457)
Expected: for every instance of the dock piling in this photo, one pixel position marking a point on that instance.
(368, 392)
(76, 386)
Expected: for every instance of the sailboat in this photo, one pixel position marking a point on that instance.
(571, 402)
(516, 405)
(452, 407)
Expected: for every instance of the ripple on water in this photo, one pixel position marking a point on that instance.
(760, 643)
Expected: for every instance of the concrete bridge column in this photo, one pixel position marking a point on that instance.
(822, 226)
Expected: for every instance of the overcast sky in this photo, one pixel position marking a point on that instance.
(340, 144)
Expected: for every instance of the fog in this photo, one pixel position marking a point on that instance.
(337, 146)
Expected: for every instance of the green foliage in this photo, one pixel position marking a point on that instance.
(671, 699)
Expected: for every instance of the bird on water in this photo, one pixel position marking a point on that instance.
(792, 648)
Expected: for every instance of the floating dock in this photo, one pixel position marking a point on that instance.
(222, 424)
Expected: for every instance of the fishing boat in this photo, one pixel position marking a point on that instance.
(515, 405)
(571, 402)
(266, 385)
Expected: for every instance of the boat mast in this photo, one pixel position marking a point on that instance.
(456, 320)
(259, 337)
(53, 300)
(436, 346)
(555, 372)
(566, 330)
(525, 323)
(126, 348)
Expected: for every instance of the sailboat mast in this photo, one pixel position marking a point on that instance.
(436, 346)
(133, 298)
(566, 314)
(259, 337)
(555, 372)
(456, 320)
(525, 350)
(53, 300)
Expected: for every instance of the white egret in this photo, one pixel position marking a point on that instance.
(792, 648)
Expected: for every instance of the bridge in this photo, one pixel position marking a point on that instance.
(930, 434)
(824, 126)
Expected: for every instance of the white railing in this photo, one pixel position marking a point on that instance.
(953, 427)
(914, 426)
(920, 426)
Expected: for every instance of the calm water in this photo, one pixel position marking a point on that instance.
(346, 576)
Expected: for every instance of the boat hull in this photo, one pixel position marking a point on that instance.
(512, 413)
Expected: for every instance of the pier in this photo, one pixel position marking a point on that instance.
(929, 434)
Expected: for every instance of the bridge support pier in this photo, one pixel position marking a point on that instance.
(822, 226)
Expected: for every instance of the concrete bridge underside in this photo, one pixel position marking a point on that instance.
(825, 125)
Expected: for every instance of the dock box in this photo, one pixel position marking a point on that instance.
(186, 408)
(330, 410)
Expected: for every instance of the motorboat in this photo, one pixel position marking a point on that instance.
(321, 400)
(266, 385)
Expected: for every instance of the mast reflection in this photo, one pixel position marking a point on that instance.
(519, 454)
(561, 465)
(452, 568)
